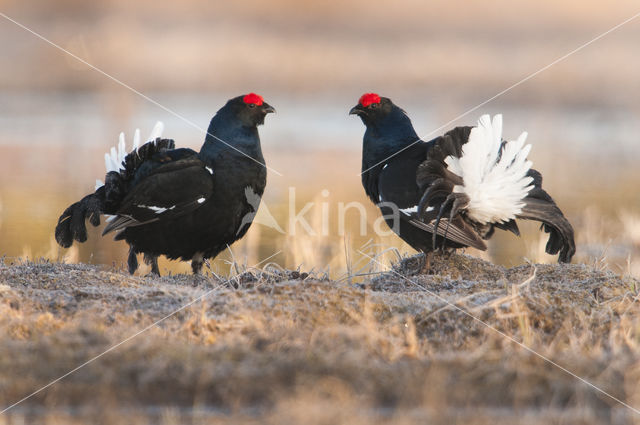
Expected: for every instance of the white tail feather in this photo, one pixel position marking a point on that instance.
(114, 156)
(157, 131)
(114, 159)
(495, 179)
(122, 152)
(136, 139)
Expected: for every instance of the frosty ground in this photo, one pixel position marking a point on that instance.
(286, 347)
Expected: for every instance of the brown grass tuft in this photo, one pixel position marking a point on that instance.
(281, 347)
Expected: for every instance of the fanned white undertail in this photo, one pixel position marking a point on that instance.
(494, 175)
(114, 159)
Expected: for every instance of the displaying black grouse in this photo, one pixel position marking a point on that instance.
(178, 202)
(454, 190)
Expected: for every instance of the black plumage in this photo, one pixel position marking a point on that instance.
(414, 188)
(177, 202)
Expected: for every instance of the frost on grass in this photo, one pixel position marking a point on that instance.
(283, 347)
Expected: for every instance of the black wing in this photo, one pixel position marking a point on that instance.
(397, 184)
(541, 207)
(106, 199)
(436, 183)
(71, 224)
(170, 190)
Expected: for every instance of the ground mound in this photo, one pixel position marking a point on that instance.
(471, 343)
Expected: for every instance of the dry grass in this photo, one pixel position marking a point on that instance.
(281, 347)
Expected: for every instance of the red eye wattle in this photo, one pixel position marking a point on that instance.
(254, 99)
(368, 99)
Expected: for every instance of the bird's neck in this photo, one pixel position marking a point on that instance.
(228, 139)
(386, 138)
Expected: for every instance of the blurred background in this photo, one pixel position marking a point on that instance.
(312, 60)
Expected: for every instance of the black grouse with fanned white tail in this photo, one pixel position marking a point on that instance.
(177, 202)
(456, 189)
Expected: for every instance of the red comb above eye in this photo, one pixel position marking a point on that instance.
(369, 98)
(256, 99)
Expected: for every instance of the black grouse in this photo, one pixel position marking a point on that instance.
(177, 202)
(454, 190)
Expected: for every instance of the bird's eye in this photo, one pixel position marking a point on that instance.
(374, 105)
(252, 105)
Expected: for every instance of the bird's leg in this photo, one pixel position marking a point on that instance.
(196, 266)
(426, 267)
(132, 260)
(152, 260)
(460, 200)
(196, 263)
